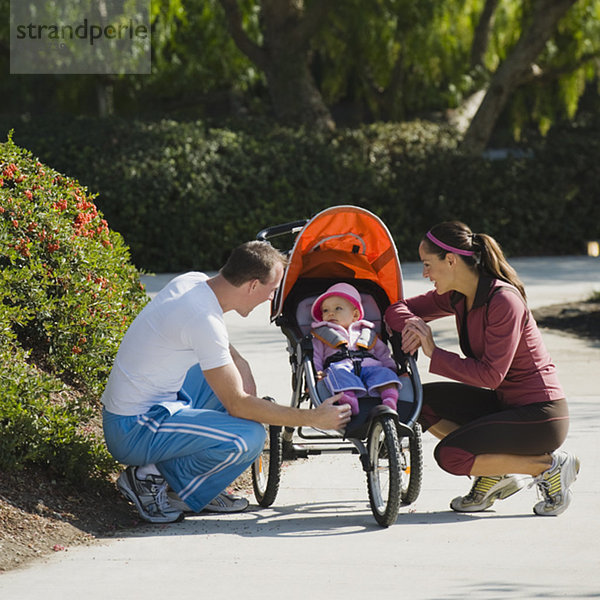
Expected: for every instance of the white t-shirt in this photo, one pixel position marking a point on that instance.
(182, 326)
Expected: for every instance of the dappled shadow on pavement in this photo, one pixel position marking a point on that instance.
(306, 520)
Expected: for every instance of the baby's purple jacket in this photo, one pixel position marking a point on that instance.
(381, 353)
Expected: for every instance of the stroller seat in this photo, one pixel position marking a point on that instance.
(373, 313)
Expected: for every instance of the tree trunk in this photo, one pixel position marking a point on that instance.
(295, 97)
(481, 37)
(105, 96)
(284, 58)
(513, 71)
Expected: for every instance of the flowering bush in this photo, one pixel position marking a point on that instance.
(67, 294)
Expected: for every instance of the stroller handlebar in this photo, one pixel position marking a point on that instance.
(276, 230)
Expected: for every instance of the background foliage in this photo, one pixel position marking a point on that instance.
(183, 193)
(381, 60)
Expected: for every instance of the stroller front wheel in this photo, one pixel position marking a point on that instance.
(411, 465)
(384, 474)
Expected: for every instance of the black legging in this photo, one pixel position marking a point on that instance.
(488, 427)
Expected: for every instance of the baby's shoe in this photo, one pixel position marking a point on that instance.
(390, 398)
(351, 399)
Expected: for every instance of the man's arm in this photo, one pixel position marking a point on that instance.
(248, 383)
(227, 384)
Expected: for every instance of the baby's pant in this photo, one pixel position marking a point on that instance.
(489, 427)
(340, 377)
(199, 450)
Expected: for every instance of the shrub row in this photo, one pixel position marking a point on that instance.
(183, 193)
(68, 291)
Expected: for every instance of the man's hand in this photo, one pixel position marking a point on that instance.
(331, 416)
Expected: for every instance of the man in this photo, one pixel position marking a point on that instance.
(180, 405)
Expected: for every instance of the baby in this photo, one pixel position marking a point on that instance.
(348, 353)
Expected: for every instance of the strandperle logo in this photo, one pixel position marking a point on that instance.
(80, 36)
(83, 31)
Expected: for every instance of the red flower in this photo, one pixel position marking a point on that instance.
(60, 205)
(10, 171)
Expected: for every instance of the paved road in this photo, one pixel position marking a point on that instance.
(320, 540)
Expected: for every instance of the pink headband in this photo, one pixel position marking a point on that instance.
(447, 247)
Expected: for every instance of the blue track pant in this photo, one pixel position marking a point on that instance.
(199, 450)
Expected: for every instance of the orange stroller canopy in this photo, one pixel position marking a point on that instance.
(345, 242)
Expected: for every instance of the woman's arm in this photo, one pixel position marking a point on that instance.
(506, 319)
(410, 315)
(428, 306)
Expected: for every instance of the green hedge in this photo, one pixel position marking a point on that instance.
(183, 193)
(67, 294)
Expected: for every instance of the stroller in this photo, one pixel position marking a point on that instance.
(345, 244)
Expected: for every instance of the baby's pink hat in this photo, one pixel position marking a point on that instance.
(344, 290)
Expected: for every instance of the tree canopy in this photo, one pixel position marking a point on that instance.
(317, 62)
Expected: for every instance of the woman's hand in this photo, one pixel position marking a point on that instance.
(417, 334)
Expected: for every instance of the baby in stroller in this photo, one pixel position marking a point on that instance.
(347, 352)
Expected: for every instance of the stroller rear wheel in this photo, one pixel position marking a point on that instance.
(384, 474)
(266, 469)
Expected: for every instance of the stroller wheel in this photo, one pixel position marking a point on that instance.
(384, 474)
(266, 469)
(411, 465)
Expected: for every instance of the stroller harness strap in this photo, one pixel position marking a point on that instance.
(334, 339)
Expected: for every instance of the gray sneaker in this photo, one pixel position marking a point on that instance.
(148, 496)
(223, 503)
(485, 491)
(554, 484)
(226, 503)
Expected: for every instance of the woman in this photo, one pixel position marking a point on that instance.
(508, 415)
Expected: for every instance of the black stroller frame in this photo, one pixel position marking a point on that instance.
(388, 442)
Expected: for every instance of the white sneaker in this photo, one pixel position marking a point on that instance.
(553, 484)
(485, 491)
(223, 503)
(149, 496)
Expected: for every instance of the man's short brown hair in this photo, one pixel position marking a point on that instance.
(252, 260)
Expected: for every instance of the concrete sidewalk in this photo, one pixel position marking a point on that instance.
(320, 540)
